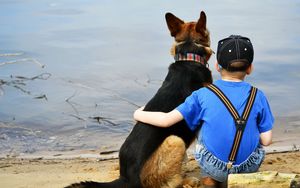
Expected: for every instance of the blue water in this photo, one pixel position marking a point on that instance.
(107, 57)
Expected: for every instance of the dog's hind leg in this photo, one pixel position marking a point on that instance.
(163, 168)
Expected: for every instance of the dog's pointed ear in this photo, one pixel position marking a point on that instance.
(174, 24)
(201, 24)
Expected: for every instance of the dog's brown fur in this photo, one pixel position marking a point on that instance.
(163, 169)
(152, 157)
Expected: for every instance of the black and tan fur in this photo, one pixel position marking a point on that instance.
(151, 157)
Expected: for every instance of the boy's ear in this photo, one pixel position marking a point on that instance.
(217, 67)
(174, 23)
(250, 69)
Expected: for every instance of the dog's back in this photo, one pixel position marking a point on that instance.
(183, 78)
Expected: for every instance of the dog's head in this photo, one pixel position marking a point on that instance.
(190, 37)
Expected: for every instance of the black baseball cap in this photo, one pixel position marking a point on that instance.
(235, 48)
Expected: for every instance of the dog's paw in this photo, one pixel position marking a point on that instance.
(191, 182)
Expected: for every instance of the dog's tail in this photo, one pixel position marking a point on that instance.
(118, 183)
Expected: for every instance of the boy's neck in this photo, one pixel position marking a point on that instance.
(232, 76)
(231, 79)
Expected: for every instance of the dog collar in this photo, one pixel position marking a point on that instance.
(190, 57)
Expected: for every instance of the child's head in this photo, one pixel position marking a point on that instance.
(235, 53)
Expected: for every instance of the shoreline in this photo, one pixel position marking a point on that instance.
(285, 138)
(101, 155)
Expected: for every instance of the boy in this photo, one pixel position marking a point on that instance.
(221, 149)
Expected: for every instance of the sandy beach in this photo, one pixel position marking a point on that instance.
(59, 171)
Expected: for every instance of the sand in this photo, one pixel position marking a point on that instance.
(59, 171)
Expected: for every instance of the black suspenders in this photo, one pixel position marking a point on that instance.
(240, 122)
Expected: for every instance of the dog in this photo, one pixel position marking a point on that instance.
(152, 157)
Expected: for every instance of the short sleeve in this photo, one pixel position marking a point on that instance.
(265, 118)
(191, 110)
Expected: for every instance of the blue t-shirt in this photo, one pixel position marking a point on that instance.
(218, 128)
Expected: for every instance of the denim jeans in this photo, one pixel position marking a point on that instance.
(215, 168)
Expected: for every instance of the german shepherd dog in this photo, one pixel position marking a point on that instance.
(152, 157)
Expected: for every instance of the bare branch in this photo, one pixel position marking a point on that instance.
(128, 101)
(117, 95)
(41, 97)
(72, 104)
(11, 54)
(108, 152)
(68, 99)
(99, 119)
(148, 81)
(23, 60)
(43, 76)
(22, 89)
(18, 81)
(78, 117)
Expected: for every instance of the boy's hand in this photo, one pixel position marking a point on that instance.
(266, 138)
(135, 114)
(141, 108)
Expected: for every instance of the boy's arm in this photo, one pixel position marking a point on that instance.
(266, 138)
(159, 119)
(266, 120)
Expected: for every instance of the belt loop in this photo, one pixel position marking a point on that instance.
(229, 165)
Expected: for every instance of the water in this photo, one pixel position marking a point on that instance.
(107, 57)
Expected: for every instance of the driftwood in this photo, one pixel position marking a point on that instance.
(265, 179)
(19, 82)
